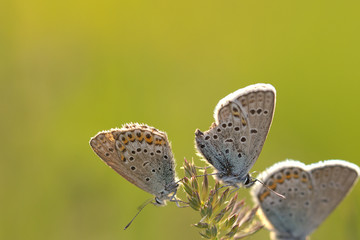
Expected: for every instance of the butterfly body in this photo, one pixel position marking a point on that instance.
(312, 192)
(142, 155)
(234, 142)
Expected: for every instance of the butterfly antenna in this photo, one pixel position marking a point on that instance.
(276, 193)
(141, 207)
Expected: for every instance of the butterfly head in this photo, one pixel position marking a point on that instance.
(167, 194)
(246, 181)
(159, 202)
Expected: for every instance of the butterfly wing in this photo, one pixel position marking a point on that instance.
(312, 192)
(286, 217)
(139, 153)
(333, 180)
(242, 122)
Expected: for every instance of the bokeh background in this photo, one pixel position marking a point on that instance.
(69, 69)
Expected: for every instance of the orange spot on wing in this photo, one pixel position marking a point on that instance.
(132, 137)
(236, 113)
(148, 138)
(264, 195)
(158, 141)
(140, 138)
(124, 139)
(272, 186)
(304, 179)
(281, 180)
(122, 147)
(243, 122)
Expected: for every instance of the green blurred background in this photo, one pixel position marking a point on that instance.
(69, 69)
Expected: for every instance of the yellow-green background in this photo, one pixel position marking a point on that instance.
(69, 69)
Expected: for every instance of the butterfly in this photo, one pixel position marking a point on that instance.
(142, 155)
(312, 192)
(234, 142)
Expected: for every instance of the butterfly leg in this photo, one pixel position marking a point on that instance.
(177, 201)
(223, 186)
(236, 188)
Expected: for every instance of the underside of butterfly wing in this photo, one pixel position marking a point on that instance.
(286, 217)
(242, 121)
(333, 180)
(312, 192)
(141, 154)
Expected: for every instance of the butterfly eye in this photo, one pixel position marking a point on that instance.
(247, 180)
(158, 201)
